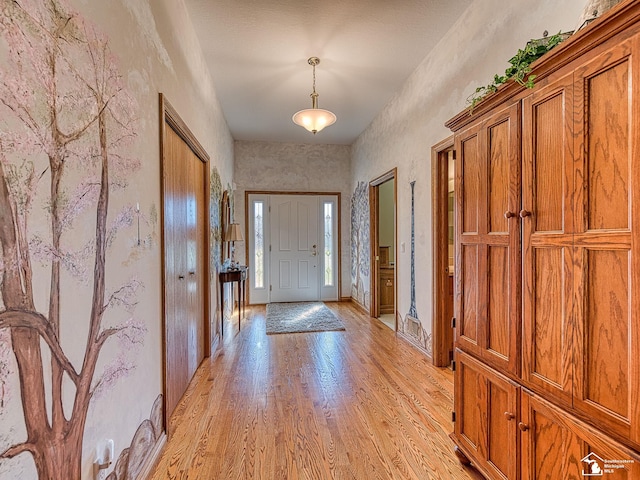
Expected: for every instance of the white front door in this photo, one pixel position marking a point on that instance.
(294, 248)
(283, 230)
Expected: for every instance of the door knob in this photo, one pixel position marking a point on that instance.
(510, 416)
(523, 426)
(315, 251)
(525, 213)
(509, 214)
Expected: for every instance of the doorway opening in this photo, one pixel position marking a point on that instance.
(383, 200)
(443, 180)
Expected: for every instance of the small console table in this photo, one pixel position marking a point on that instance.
(238, 275)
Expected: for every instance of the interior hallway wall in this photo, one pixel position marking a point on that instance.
(152, 46)
(477, 47)
(287, 167)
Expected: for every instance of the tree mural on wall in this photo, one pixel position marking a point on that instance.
(411, 324)
(360, 242)
(66, 116)
(215, 220)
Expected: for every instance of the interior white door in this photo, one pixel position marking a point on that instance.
(294, 248)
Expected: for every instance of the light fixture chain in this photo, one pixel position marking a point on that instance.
(314, 78)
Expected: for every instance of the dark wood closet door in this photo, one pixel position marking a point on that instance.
(488, 235)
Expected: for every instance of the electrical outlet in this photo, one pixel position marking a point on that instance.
(105, 452)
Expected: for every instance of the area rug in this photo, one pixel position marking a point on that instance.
(301, 317)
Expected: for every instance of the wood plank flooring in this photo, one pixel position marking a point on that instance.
(356, 404)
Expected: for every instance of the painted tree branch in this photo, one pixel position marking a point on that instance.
(94, 341)
(23, 243)
(26, 345)
(11, 282)
(121, 296)
(39, 323)
(16, 450)
(21, 112)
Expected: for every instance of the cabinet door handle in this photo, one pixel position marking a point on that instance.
(509, 214)
(510, 416)
(523, 426)
(525, 213)
(181, 277)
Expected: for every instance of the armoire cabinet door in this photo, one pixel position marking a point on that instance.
(547, 194)
(486, 414)
(606, 246)
(488, 236)
(556, 445)
(581, 192)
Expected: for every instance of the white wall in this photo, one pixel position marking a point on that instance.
(478, 46)
(287, 167)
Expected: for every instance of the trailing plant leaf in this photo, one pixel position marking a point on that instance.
(519, 67)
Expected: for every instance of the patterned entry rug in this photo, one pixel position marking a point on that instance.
(301, 317)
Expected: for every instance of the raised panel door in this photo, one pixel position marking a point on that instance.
(605, 252)
(486, 405)
(294, 248)
(468, 210)
(469, 390)
(557, 445)
(549, 449)
(488, 234)
(547, 239)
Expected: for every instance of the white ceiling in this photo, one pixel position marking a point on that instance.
(257, 52)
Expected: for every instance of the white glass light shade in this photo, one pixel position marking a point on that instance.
(314, 119)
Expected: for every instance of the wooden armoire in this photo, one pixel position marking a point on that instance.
(547, 293)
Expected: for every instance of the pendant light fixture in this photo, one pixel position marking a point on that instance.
(314, 119)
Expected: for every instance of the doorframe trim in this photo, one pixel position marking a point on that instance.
(284, 192)
(440, 235)
(170, 117)
(374, 308)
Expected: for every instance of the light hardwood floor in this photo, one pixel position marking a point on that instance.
(357, 404)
